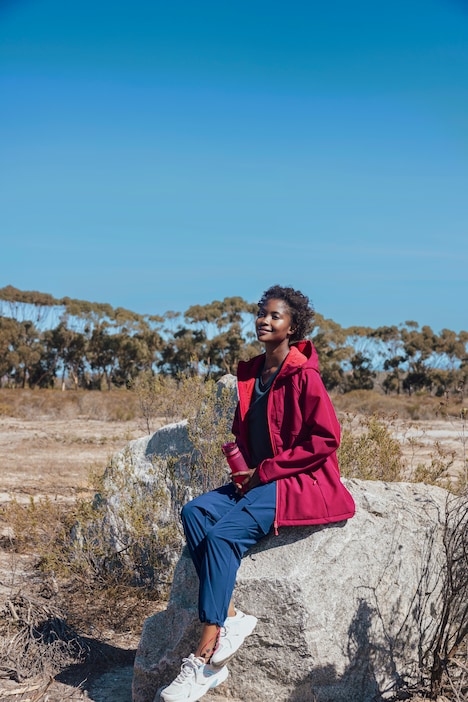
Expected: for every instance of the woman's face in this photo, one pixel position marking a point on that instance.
(273, 322)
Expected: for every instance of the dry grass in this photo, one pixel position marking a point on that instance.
(414, 407)
(114, 406)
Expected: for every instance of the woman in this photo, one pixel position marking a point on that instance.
(287, 430)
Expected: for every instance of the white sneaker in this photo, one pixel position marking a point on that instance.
(194, 680)
(232, 636)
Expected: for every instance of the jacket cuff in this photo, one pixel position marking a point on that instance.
(261, 473)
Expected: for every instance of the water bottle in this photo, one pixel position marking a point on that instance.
(235, 460)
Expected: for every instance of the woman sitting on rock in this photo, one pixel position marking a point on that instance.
(288, 433)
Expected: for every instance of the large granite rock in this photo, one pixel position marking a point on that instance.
(345, 610)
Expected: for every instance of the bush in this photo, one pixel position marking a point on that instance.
(368, 451)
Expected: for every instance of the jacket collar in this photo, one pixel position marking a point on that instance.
(301, 354)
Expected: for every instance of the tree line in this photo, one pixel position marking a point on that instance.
(45, 341)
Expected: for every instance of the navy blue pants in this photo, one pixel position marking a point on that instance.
(219, 528)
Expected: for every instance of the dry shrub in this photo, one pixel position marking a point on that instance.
(447, 653)
(35, 525)
(76, 543)
(36, 640)
(435, 472)
(158, 398)
(209, 426)
(85, 550)
(368, 450)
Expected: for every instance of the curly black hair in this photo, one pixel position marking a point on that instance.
(300, 308)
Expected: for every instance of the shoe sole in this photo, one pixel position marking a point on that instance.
(220, 678)
(223, 661)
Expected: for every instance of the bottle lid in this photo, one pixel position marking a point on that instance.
(229, 448)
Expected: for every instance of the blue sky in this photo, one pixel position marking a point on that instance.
(160, 154)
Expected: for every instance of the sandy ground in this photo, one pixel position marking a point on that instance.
(419, 438)
(52, 458)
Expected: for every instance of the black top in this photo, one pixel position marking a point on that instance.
(259, 437)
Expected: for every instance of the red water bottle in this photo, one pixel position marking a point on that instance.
(235, 460)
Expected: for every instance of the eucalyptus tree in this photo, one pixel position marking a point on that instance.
(418, 346)
(26, 352)
(361, 376)
(182, 353)
(389, 350)
(27, 305)
(136, 353)
(330, 340)
(9, 335)
(64, 353)
(74, 358)
(221, 331)
(102, 353)
(453, 376)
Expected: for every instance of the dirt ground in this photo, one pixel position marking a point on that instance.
(49, 457)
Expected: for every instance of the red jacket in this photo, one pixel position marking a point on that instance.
(304, 435)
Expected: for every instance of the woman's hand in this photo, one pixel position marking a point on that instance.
(245, 480)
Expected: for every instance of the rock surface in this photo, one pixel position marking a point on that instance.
(344, 610)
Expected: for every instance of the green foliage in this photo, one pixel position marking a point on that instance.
(330, 341)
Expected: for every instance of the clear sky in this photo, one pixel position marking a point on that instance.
(156, 154)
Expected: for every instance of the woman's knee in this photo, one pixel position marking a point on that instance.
(187, 512)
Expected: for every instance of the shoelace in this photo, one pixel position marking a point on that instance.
(188, 667)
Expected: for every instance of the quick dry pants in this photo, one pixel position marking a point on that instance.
(219, 528)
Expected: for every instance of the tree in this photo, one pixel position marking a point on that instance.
(26, 353)
(67, 352)
(9, 334)
(392, 381)
(330, 341)
(215, 337)
(418, 346)
(181, 355)
(103, 353)
(361, 377)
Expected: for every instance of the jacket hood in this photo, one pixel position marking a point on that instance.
(302, 354)
(307, 349)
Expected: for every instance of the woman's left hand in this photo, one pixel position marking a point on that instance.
(249, 481)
